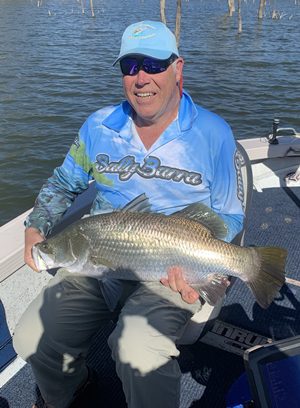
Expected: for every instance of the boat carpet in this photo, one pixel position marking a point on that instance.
(7, 353)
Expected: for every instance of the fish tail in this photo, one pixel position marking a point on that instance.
(266, 281)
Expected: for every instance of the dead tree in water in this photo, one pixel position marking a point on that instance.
(262, 5)
(163, 11)
(92, 8)
(178, 17)
(178, 22)
(231, 7)
(240, 16)
(82, 6)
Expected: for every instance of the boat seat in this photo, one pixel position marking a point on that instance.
(202, 320)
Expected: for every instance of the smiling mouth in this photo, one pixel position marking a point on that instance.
(145, 94)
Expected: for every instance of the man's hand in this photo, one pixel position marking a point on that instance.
(32, 237)
(176, 282)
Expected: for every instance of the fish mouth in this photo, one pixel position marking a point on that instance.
(39, 261)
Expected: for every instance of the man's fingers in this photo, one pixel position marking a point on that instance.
(165, 281)
(189, 295)
(29, 260)
(172, 279)
(176, 280)
(177, 283)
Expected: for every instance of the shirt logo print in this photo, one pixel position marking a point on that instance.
(150, 168)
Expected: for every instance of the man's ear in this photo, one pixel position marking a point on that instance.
(179, 69)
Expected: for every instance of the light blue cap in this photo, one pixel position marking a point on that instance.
(150, 38)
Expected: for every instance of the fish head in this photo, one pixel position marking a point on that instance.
(41, 259)
(53, 253)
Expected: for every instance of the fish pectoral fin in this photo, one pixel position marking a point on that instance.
(99, 261)
(206, 216)
(213, 289)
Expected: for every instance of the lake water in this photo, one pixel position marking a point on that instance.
(55, 69)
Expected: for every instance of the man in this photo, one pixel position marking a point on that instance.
(157, 142)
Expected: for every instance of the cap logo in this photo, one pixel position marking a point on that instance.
(141, 32)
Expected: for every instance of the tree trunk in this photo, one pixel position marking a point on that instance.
(240, 16)
(82, 6)
(178, 22)
(231, 7)
(163, 11)
(92, 8)
(262, 5)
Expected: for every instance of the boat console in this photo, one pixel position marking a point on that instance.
(271, 378)
(273, 372)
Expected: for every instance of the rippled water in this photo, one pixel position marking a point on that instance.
(55, 69)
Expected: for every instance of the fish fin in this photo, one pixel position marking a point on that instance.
(266, 281)
(202, 213)
(98, 261)
(138, 204)
(213, 288)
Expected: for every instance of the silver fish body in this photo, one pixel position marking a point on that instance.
(142, 246)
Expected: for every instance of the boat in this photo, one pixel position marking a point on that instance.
(212, 359)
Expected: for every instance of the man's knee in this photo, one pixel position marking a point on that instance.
(139, 346)
(27, 336)
(33, 324)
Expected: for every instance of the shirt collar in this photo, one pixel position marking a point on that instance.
(119, 118)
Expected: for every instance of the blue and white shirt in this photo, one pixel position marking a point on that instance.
(192, 161)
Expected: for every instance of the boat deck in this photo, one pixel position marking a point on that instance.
(208, 371)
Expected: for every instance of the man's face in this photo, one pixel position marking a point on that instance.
(154, 97)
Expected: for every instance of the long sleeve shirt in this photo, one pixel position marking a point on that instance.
(193, 160)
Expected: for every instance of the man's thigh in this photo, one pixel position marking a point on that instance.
(67, 312)
(163, 308)
(150, 322)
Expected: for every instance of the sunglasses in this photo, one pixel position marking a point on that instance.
(131, 65)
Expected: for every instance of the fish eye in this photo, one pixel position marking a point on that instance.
(44, 245)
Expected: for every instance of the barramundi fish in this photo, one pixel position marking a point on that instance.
(141, 245)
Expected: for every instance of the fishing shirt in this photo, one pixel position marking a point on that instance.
(193, 160)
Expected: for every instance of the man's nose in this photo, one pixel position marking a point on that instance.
(142, 77)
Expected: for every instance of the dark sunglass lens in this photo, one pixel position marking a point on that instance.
(132, 65)
(152, 66)
(129, 66)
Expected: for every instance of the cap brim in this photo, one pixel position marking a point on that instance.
(158, 54)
